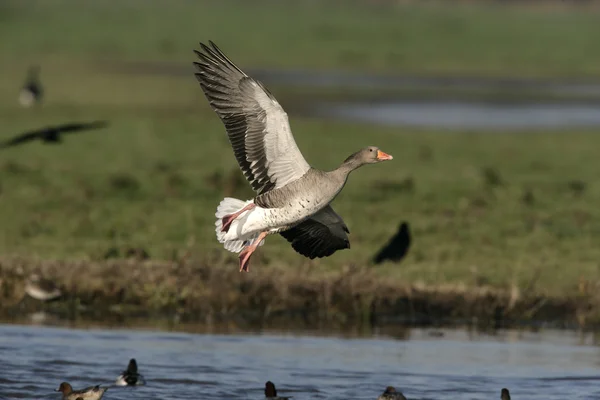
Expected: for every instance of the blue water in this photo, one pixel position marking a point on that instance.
(458, 115)
(548, 365)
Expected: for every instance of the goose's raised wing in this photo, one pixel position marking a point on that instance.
(319, 236)
(256, 124)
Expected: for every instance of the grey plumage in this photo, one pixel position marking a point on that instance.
(293, 197)
(251, 116)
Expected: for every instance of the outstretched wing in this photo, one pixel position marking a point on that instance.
(52, 130)
(256, 124)
(23, 138)
(319, 236)
(80, 126)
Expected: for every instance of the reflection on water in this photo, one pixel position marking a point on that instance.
(462, 115)
(449, 365)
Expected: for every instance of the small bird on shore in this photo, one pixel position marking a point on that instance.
(391, 394)
(41, 289)
(130, 377)
(397, 247)
(32, 92)
(89, 393)
(52, 134)
(505, 394)
(271, 392)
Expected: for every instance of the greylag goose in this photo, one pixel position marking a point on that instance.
(31, 93)
(292, 197)
(130, 377)
(504, 394)
(271, 392)
(391, 394)
(89, 393)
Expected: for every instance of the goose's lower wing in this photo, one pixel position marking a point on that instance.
(319, 236)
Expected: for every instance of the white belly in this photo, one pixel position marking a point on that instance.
(271, 219)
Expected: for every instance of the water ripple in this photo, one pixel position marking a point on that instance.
(35, 360)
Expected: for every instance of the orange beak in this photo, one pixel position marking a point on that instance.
(381, 156)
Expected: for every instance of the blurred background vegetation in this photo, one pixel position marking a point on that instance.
(507, 209)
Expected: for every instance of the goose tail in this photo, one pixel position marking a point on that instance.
(229, 239)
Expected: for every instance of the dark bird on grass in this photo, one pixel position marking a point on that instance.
(52, 134)
(391, 394)
(130, 377)
(41, 289)
(89, 393)
(505, 394)
(397, 247)
(32, 92)
(292, 198)
(271, 392)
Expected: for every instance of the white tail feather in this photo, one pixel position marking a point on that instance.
(229, 206)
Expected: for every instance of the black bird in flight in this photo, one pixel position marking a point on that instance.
(32, 91)
(397, 247)
(52, 134)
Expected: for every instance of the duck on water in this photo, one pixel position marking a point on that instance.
(391, 393)
(271, 392)
(292, 197)
(131, 376)
(89, 393)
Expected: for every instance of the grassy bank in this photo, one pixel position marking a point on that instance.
(188, 292)
(481, 38)
(487, 208)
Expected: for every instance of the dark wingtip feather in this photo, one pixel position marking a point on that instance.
(204, 47)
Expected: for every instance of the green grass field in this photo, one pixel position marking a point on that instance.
(483, 38)
(502, 209)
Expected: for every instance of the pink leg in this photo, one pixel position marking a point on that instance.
(249, 250)
(228, 219)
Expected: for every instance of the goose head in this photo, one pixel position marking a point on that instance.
(368, 155)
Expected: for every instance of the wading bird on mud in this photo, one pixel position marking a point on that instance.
(292, 197)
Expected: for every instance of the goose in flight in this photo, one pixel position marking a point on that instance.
(292, 197)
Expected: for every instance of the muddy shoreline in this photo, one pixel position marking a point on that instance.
(211, 293)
